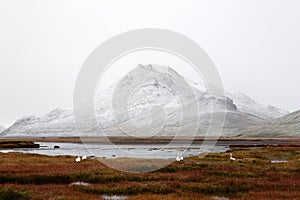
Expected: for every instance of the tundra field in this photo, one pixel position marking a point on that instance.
(253, 175)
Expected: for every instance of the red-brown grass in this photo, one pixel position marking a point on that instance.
(251, 176)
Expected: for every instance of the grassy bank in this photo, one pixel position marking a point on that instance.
(17, 144)
(251, 176)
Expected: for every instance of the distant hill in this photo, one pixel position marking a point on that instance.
(287, 126)
(292, 119)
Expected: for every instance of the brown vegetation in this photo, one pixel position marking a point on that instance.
(17, 144)
(251, 176)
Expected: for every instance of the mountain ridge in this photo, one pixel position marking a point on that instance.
(249, 105)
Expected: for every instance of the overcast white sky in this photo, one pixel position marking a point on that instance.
(255, 44)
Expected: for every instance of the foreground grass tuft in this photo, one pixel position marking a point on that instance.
(8, 193)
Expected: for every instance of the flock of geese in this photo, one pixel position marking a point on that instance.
(78, 159)
(179, 158)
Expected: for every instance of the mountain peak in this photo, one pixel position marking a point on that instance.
(155, 69)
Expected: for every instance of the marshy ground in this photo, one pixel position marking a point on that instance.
(251, 176)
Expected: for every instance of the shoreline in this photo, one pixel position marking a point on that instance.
(231, 142)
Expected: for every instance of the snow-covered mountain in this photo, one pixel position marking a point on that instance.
(151, 89)
(56, 123)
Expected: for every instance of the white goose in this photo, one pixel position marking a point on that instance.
(78, 159)
(179, 157)
(232, 158)
(84, 157)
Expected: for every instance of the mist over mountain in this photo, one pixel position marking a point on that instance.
(152, 88)
(1, 129)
